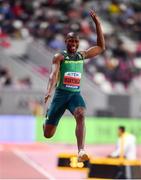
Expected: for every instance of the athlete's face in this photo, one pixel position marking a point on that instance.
(72, 44)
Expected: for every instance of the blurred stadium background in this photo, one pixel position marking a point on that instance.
(31, 32)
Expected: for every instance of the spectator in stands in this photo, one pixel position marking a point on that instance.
(23, 83)
(5, 77)
(8, 80)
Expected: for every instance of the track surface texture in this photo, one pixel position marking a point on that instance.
(39, 160)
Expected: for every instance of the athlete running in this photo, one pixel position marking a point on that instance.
(66, 73)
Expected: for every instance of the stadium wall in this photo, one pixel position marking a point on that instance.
(122, 106)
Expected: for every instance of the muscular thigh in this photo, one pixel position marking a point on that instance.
(56, 109)
(76, 103)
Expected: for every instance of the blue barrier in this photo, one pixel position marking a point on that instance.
(17, 128)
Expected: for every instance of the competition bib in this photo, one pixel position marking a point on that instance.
(72, 80)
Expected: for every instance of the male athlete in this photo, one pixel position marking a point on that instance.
(66, 73)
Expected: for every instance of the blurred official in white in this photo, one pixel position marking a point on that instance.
(126, 145)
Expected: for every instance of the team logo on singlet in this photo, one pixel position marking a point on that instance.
(72, 80)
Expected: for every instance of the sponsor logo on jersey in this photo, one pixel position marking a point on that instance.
(72, 79)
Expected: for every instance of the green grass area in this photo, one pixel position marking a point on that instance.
(98, 130)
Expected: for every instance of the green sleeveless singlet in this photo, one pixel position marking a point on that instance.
(71, 70)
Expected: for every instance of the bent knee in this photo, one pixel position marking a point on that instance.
(49, 130)
(48, 135)
(79, 113)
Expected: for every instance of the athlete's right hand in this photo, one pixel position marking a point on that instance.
(47, 97)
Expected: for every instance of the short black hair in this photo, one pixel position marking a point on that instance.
(122, 128)
(72, 35)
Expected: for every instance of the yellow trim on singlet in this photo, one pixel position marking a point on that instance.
(75, 62)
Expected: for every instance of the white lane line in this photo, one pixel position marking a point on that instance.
(30, 162)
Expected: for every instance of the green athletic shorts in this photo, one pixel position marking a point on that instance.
(63, 100)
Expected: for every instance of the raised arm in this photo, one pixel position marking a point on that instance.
(53, 75)
(100, 47)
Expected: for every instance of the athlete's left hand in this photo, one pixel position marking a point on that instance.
(94, 16)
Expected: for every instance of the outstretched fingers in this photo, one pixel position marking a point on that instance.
(93, 15)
